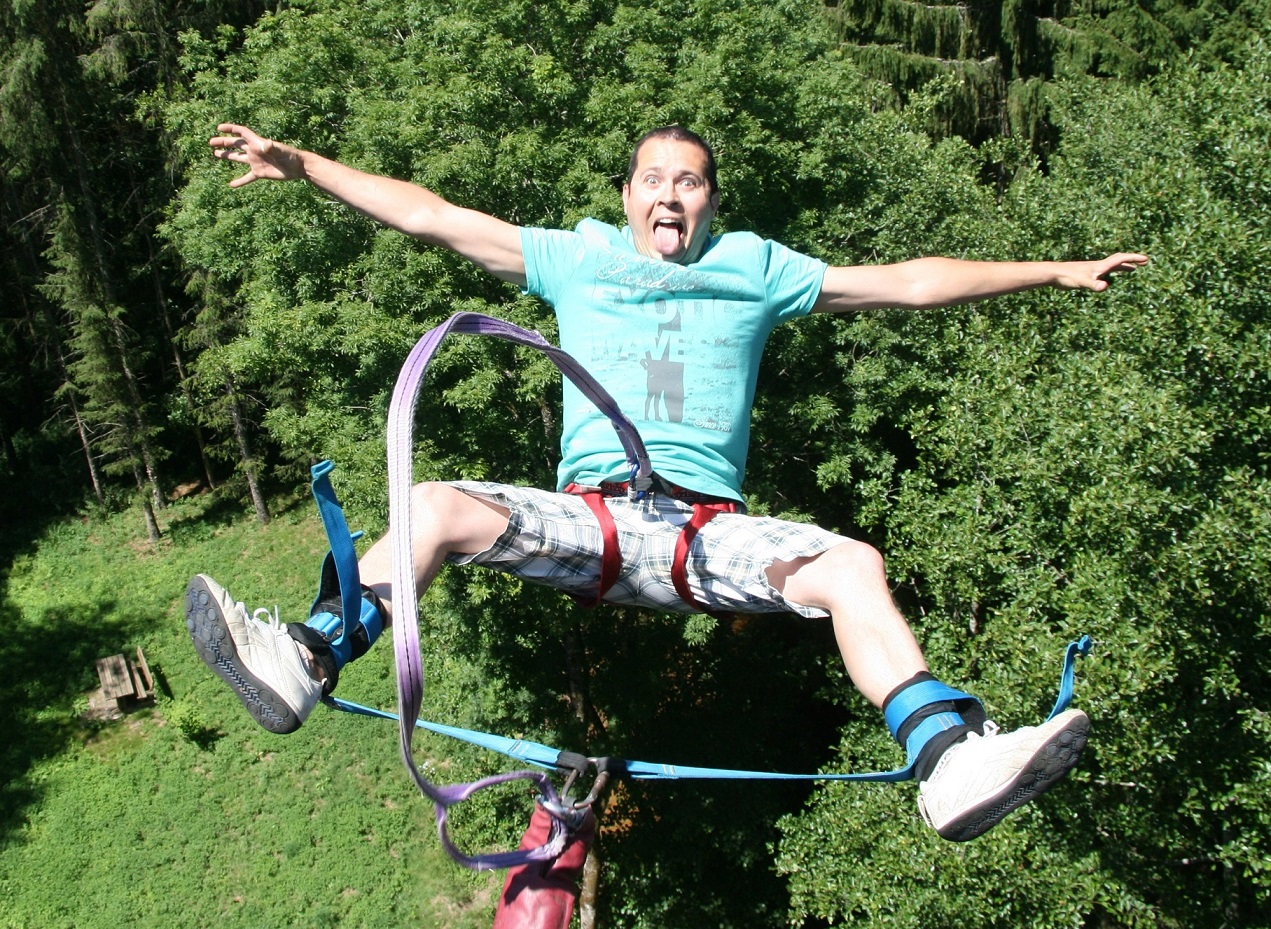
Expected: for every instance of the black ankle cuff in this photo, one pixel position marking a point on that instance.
(320, 648)
(936, 746)
(360, 640)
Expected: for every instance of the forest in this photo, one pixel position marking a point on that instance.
(1034, 468)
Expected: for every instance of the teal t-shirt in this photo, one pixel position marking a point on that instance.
(678, 346)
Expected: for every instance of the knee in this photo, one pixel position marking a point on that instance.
(821, 580)
(440, 509)
(434, 501)
(857, 560)
(447, 517)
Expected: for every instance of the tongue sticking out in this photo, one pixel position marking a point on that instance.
(666, 238)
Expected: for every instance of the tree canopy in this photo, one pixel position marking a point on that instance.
(1034, 468)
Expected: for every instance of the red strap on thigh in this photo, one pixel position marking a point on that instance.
(702, 514)
(611, 557)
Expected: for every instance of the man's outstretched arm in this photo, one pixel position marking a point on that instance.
(489, 242)
(925, 283)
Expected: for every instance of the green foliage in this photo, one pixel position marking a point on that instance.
(1034, 469)
(190, 722)
(1090, 464)
(1046, 465)
(85, 182)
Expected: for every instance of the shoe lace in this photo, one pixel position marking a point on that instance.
(272, 618)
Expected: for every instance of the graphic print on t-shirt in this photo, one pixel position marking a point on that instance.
(665, 382)
(673, 335)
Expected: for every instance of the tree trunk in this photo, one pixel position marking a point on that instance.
(152, 524)
(178, 363)
(81, 427)
(140, 440)
(10, 452)
(245, 454)
(590, 887)
(86, 444)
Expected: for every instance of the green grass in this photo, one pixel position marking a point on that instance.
(188, 814)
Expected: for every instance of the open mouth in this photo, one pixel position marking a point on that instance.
(667, 235)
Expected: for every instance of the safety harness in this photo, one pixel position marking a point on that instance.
(705, 508)
(566, 814)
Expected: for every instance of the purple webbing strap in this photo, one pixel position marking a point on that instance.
(410, 671)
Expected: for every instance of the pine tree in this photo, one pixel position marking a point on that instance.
(994, 58)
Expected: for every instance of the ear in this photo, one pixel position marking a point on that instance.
(626, 195)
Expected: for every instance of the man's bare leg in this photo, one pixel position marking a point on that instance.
(281, 671)
(446, 521)
(970, 774)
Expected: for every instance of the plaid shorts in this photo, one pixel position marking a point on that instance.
(554, 539)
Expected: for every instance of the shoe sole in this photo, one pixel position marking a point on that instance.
(1053, 759)
(215, 645)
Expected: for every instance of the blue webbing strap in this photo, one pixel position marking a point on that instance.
(1081, 647)
(342, 551)
(915, 697)
(546, 757)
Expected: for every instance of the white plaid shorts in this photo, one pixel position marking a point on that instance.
(555, 539)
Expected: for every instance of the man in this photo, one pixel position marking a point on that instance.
(672, 321)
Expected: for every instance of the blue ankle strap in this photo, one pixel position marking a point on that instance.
(924, 693)
(915, 697)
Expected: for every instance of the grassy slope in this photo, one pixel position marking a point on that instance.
(135, 823)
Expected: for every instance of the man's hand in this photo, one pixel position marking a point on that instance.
(1093, 275)
(265, 158)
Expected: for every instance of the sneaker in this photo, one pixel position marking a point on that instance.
(978, 781)
(257, 658)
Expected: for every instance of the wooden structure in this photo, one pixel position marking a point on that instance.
(124, 681)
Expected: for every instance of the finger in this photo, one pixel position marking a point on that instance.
(228, 143)
(236, 136)
(1125, 261)
(1121, 263)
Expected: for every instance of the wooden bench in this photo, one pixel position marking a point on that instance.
(124, 680)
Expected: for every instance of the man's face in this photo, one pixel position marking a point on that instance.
(668, 201)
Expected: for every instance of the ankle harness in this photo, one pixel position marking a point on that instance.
(333, 641)
(928, 713)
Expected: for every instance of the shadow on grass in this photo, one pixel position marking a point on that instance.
(24, 526)
(214, 513)
(47, 665)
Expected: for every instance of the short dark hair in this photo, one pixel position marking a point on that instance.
(677, 134)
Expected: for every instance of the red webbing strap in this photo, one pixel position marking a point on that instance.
(702, 514)
(611, 556)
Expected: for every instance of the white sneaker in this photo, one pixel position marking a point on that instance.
(978, 781)
(258, 659)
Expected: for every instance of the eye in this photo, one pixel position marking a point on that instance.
(689, 182)
(652, 180)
